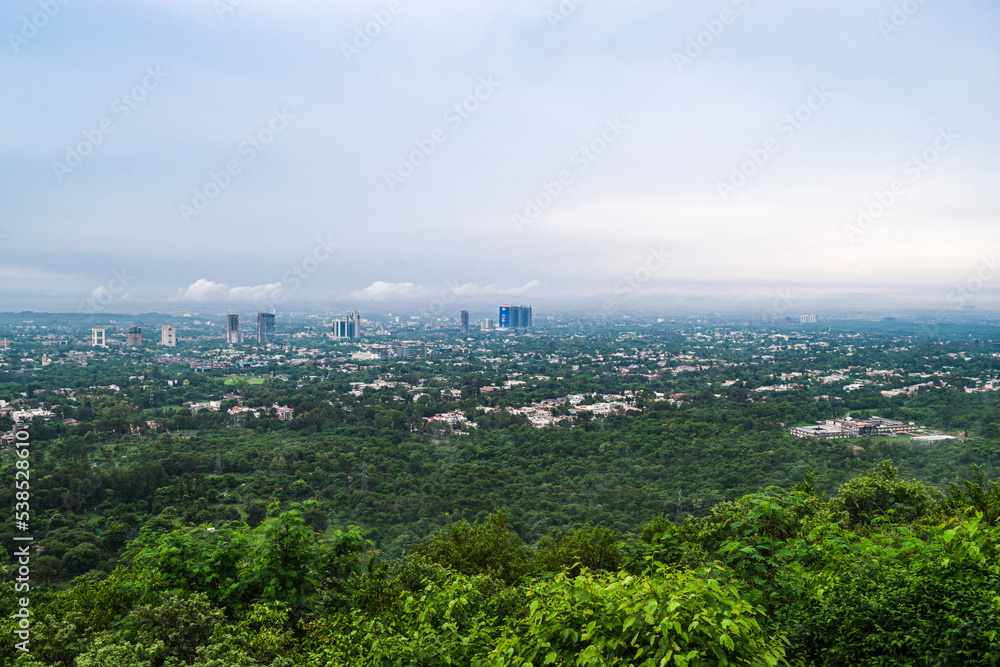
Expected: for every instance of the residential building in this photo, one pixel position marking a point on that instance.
(168, 335)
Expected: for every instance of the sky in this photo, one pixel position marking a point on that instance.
(601, 156)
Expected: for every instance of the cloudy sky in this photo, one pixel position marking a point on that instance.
(440, 154)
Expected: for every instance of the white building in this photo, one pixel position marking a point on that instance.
(168, 335)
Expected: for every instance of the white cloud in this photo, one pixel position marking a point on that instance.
(257, 293)
(383, 291)
(472, 289)
(511, 291)
(208, 290)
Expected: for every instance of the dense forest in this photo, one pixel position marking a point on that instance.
(887, 571)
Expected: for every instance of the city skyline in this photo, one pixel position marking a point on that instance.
(176, 155)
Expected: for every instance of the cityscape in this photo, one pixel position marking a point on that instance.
(499, 333)
(348, 327)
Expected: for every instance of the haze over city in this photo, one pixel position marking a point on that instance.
(607, 157)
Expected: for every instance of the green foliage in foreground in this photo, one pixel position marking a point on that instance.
(884, 573)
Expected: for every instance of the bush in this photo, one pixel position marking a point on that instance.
(673, 617)
(592, 548)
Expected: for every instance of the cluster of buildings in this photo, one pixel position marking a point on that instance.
(509, 318)
(405, 349)
(265, 328)
(347, 327)
(133, 336)
(282, 412)
(546, 412)
(22, 415)
(168, 333)
(846, 427)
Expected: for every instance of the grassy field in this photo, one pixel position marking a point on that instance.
(247, 380)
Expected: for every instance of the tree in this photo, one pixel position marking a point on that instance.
(82, 558)
(881, 493)
(592, 547)
(46, 568)
(490, 547)
(256, 512)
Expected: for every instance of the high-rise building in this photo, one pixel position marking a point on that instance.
(486, 324)
(265, 327)
(807, 319)
(503, 321)
(168, 335)
(340, 328)
(233, 333)
(97, 338)
(354, 322)
(515, 317)
(349, 327)
(134, 337)
(465, 321)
